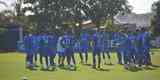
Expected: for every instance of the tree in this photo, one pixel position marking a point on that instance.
(48, 14)
(98, 10)
(156, 19)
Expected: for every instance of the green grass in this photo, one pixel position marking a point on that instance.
(12, 67)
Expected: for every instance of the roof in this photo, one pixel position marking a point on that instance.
(88, 24)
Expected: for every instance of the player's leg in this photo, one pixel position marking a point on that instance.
(73, 59)
(104, 50)
(73, 67)
(119, 56)
(63, 59)
(35, 59)
(69, 60)
(139, 60)
(133, 56)
(68, 54)
(85, 51)
(104, 57)
(109, 57)
(94, 60)
(126, 60)
(41, 61)
(81, 56)
(47, 62)
(147, 58)
(29, 61)
(99, 59)
(86, 57)
(60, 55)
(144, 57)
(59, 59)
(52, 62)
(41, 55)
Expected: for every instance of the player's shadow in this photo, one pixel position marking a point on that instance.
(109, 64)
(87, 64)
(149, 68)
(135, 69)
(33, 69)
(102, 69)
(155, 66)
(67, 69)
(49, 70)
(64, 68)
(44, 69)
(140, 69)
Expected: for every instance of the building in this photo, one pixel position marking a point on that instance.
(12, 33)
(133, 21)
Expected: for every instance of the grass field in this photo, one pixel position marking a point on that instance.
(12, 67)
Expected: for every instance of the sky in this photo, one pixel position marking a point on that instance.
(139, 6)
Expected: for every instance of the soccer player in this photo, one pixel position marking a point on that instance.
(125, 50)
(133, 50)
(84, 46)
(68, 43)
(139, 49)
(128, 53)
(146, 47)
(97, 45)
(77, 49)
(106, 46)
(52, 47)
(28, 49)
(35, 49)
(120, 36)
(44, 52)
(61, 52)
(132, 38)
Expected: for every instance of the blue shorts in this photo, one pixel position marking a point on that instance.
(51, 53)
(84, 50)
(96, 50)
(43, 52)
(69, 51)
(77, 49)
(61, 53)
(28, 51)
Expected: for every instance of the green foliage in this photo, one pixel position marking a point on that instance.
(2, 30)
(109, 25)
(155, 22)
(52, 13)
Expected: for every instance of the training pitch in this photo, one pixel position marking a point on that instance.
(12, 67)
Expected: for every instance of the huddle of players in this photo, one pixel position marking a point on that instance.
(131, 48)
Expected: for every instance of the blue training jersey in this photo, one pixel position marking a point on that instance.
(97, 40)
(106, 41)
(68, 41)
(84, 40)
(146, 39)
(35, 43)
(28, 44)
(59, 46)
(52, 41)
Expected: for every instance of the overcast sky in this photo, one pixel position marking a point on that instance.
(139, 6)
